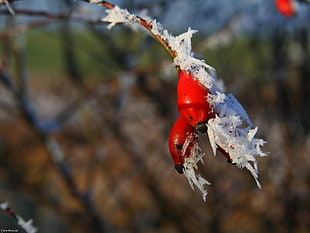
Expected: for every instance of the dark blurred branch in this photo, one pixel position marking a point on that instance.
(45, 14)
(18, 29)
(72, 66)
(7, 3)
(56, 153)
(3, 2)
(19, 90)
(48, 18)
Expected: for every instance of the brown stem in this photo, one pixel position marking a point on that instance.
(144, 23)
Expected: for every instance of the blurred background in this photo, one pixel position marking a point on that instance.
(85, 116)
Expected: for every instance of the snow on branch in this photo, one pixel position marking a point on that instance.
(7, 3)
(118, 15)
(26, 225)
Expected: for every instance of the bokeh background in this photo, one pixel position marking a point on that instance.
(85, 115)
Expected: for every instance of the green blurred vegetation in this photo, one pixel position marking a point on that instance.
(45, 52)
(246, 57)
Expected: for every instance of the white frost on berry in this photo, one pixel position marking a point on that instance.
(182, 45)
(190, 164)
(231, 130)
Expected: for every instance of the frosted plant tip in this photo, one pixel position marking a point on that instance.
(117, 15)
(194, 179)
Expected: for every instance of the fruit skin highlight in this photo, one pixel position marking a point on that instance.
(192, 101)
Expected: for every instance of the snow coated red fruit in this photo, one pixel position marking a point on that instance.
(181, 132)
(286, 7)
(195, 112)
(192, 101)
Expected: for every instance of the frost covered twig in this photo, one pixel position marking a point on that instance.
(26, 225)
(7, 3)
(229, 129)
(117, 15)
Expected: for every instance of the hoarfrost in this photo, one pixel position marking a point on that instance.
(95, 1)
(181, 44)
(117, 15)
(233, 133)
(190, 164)
(26, 225)
(4, 205)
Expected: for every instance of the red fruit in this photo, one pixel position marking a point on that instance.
(181, 132)
(192, 102)
(287, 7)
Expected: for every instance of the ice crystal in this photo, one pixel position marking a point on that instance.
(4, 205)
(26, 225)
(95, 1)
(190, 164)
(117, 15)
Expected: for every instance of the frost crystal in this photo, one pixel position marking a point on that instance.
(118, 15)
(190, 163)
(26, 225)
(231, 130)
(95, 1)
(4, 205)
(182, 45)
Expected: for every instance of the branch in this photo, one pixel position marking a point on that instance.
(26, 225)
(149, 25)
(7, 3)
(48, 18)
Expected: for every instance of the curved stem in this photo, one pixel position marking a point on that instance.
(143, 22)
